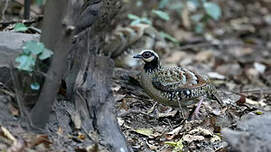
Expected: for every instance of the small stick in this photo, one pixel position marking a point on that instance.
(8, 134)
(4, 10)
(27, 4)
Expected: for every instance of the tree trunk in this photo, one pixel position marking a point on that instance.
(58, 29)
(72, 30)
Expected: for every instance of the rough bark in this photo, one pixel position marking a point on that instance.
(95, 102)
(92, 89)
(58, 28)
(89, 75)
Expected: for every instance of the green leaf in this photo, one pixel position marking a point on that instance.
(199, 28)
(138, 20)
(139, 3)
(163, 3)
(171, 143)
(39, 2)
(213, 10)
(169, 37)
(33, 47)
(135, 22)
(145, 20)
(193, 5)
(35, 86)
(20, 27)
(45, 54)
(133, 17)
(161, 14)
(177, 7)
(197, 17)
(26, 63)
(258, 112)
(178, 146)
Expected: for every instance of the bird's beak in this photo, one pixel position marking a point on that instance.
(139, 56)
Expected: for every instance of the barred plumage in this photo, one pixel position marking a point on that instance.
(173, 86)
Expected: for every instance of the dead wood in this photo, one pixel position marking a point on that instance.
(75, 43)
(95, 102)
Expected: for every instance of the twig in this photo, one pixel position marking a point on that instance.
(139, 98)
(133, 111)
(8, 134)
(206, 44)
(4, 140)
(17, 21)
(254, 91)
(185, 15)
(27, 4)
(22, 4)
(4, 10)
(261, 91)
(17, 92)
(6, 90)
(35, 29)
(190, 46)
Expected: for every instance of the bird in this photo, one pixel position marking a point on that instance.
(173, 85)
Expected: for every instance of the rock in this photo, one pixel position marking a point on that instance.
(252, 134)
(10, 47)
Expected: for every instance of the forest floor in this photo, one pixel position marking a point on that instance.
(235, 52)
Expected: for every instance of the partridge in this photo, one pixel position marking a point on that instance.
(174, 86)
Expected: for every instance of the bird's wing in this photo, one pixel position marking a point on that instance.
(177, 79)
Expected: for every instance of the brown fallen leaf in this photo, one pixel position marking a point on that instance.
(256, 103)
(215, 75)
(8, 134)
(17, 146)
(147, 132)
(144, 131)
(40, 139)
(173, 133)
(204, 56)
(14, 111)
(242, 100)
(81, 136)
(175, 57)
(191, 138)
(167, 114)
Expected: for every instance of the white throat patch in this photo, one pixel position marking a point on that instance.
(148, 59)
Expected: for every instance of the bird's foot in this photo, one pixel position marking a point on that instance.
(196, 112)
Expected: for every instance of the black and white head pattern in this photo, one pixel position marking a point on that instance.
(149, 56)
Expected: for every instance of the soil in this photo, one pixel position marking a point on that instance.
(233, 51)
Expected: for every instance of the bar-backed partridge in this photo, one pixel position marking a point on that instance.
(173, 86)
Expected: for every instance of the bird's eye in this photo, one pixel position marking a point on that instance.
(146, 54)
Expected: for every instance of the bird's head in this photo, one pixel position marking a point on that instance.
(147, 56)
(150, 58)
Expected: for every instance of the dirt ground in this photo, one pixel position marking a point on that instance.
(233, 51)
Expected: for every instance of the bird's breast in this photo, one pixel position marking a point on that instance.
(157, 95)
(186, 96)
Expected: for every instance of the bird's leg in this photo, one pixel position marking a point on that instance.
(195, 113)
(213, 94)
(218, 99)
(182, 111)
